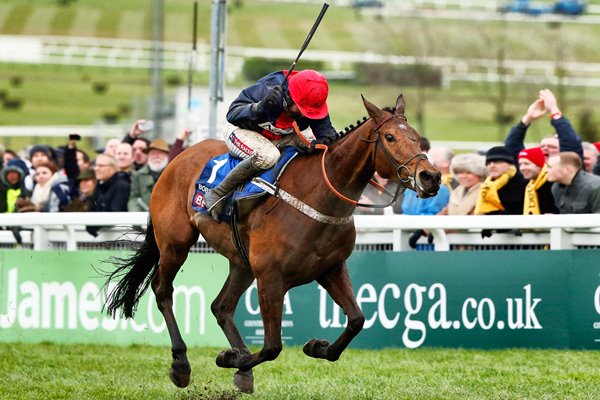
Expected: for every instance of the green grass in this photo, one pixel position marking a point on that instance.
(63, 94)
(49, 371)
(461, 112)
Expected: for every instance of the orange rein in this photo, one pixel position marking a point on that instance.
(325, 148)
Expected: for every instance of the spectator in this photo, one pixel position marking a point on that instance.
(143, 181)
(38, 154)
(179, 144)
(124, 156)
(566, 138)
(469, 170)
(140, 154)
(112, 190)
(72, 163)
(413, 205)
(83, 160)
(51, 191)
(538, 194)
(8, 155)
(12, 185)
(139, 143)
(13, 191)
(425, 145)
(590, 156)
(502, 191)
(575, 191)
(111, 147)
(82, 200)
(442, 157)
(596, 168)
(139, 127)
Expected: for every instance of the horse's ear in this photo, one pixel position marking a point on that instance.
(400, 105)
(373, 110)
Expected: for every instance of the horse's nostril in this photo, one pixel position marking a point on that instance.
(425, 177)
(430, 178)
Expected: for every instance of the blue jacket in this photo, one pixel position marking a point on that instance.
(568, 139)
(413, 205)
(245, 113)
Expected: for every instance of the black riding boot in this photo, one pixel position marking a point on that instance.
(214, 200)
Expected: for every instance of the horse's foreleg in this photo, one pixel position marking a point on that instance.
(223, 308)
(162, 285)
(270, 299)
(338, 285)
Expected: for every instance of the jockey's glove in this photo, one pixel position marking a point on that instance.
(313, 144)
(273, 99)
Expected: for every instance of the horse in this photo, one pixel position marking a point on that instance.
(284, 247)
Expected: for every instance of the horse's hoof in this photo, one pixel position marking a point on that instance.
(316, 348)
(180, 379)
(244, 381)
(228, 358)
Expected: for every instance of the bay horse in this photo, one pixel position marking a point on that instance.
(285, 247)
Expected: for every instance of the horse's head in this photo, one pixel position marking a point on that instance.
(397, 152)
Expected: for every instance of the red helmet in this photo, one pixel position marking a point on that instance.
(309, 89)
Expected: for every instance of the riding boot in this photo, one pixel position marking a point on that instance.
(214, 200)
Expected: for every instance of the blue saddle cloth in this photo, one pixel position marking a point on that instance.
(217, 169)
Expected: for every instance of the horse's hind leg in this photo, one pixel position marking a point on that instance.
(171, 260)
(338, 285)
(223, 308)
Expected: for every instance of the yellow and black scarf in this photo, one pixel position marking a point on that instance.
(488, 199)
(531, 205)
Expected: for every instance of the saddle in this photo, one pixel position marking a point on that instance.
(245, 198)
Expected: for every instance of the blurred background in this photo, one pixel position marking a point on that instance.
(468, 69)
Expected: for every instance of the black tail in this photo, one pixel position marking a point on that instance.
(134, 275)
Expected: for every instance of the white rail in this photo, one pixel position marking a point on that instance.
(45, 231)
(138, 54)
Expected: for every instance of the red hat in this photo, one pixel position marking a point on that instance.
(309, 91)
(533, 154)
(597, 144)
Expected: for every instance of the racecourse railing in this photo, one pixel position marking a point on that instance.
(123, 53)
(67, 231)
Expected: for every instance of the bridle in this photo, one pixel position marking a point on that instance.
(397, 167)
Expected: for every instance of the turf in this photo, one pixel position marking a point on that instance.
(50, 371)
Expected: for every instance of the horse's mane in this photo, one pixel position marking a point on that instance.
(352, 127)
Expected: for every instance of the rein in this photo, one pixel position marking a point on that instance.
(396, 166)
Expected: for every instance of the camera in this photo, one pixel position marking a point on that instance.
(74, 136)
(146, 126)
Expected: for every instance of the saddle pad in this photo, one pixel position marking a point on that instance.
(217, 168)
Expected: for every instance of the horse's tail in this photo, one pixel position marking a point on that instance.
(134, 275)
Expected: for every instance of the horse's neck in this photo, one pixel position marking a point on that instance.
(351, 161)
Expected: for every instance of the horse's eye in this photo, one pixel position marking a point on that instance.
(389, 137)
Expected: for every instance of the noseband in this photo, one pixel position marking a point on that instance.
(399, 167)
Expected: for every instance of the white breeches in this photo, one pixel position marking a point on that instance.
(243, 143)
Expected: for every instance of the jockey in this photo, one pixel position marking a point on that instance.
(261, 116)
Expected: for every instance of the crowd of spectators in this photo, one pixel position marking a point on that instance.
(558, 176)
(120, 177)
